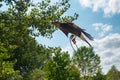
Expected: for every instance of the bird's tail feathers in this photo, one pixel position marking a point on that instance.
(87, 35)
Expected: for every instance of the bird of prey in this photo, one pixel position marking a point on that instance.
(69, 27)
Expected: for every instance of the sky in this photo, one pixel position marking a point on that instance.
(100, 18)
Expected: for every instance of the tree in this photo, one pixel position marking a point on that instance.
(87, 61)
(37, 74)
(18, 29)
(59, 67)
(7, 71)
(113, 74)
(99, 75)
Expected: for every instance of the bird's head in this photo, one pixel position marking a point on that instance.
(57, 24)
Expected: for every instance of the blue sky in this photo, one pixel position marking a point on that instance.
(100, 18)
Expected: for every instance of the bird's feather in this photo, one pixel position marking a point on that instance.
(87, 35)
(65, 32)
(81, 30)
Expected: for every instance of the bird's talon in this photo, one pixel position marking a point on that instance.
(71, 37)
(74, 41)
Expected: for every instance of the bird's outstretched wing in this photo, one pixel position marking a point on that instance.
(62, 27)
(79, 29)
(74, 25)
(65, 32)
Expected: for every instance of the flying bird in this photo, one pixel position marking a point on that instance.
(69, 27)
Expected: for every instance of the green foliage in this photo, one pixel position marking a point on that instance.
(30, 57)
(37, 74)
(20, 54)
(41, 16)
(45, 13)
(87, 61)
(7, 71)
(59, 67)
(99, 75)
(113, 74)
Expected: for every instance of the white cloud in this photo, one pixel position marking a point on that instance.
(108, 48)
(109, 7)
(101, 28)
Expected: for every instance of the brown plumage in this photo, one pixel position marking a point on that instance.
(69, 27)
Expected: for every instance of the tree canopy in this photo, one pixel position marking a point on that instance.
(87, 61)
(20, 53)
(113, 74)
(59, 67)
